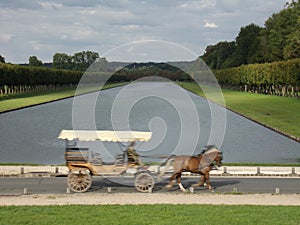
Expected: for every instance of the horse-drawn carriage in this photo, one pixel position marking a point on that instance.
(83, 164)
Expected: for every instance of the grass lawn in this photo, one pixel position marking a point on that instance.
(280, 113)
(33, 98)
(150, 214)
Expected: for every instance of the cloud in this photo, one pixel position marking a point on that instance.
(210, 24)
(35, 45)
(88, 12)
(43, 28)
(197, 5)
(5, 38)
(50, 5)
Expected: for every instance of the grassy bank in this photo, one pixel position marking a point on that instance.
(150, 214)
(34, 98)
(280, 113)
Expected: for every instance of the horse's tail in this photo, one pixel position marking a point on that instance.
(166, 165)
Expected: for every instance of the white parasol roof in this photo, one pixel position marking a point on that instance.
(105, 135)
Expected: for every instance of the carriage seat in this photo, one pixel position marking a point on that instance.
(76, 155)
(96, 159)
(120, 159)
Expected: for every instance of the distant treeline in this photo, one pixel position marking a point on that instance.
(136, 71)
(278, 78)
(17, 78)
(278, 40)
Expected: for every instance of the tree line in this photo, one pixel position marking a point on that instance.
(278, 40)
(277, 78)
(17, 78)
(79, 61)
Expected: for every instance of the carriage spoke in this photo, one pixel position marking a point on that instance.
(80, 182)
(143, 182)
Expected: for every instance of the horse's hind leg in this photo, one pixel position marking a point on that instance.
(178, 178)
(170, 184)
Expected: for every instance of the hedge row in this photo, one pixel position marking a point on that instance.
(280, 78)
(15, 75)
(276, 73)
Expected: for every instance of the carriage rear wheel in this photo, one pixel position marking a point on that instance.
(144, 182)
(80, 181)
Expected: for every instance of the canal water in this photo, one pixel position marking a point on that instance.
(180, 122)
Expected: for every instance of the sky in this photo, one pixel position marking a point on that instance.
(124, 30)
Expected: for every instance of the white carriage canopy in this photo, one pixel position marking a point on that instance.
(105, 135)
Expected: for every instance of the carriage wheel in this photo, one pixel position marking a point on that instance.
(144, 182)
(79, 182)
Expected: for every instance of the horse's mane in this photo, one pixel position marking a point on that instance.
(208, 148)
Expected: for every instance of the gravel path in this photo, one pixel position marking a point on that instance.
(139, 198)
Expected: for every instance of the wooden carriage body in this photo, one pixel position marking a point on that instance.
(83, 163)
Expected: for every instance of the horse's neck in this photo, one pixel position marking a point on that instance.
(200, 156)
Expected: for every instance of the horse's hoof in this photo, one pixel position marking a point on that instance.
(169, 186)
(212, 190)
(183, 190)
(196, 185)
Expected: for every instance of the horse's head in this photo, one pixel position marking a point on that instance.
(219, 158)
(214, 154)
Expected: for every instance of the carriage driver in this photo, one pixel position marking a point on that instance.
(132, 154)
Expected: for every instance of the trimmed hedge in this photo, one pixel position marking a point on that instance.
(280, 78)
(12, 75)
(19, 79)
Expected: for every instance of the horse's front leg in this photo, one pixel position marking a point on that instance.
(178, 178)
(208, 181)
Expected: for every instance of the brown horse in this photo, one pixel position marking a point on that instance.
(201, 164)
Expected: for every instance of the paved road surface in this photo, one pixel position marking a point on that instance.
(15, 186)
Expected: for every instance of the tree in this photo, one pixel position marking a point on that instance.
(291, 4)
(281, 34)
(278, 40)
(231, 54)
(79, 61)
(82, 60)
(216, 55)
(34, 61)
(62, 61)
(246, 45)
(2, 59)
(292, 48)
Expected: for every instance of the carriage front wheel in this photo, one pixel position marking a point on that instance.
(144, 182)
(79, 181)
